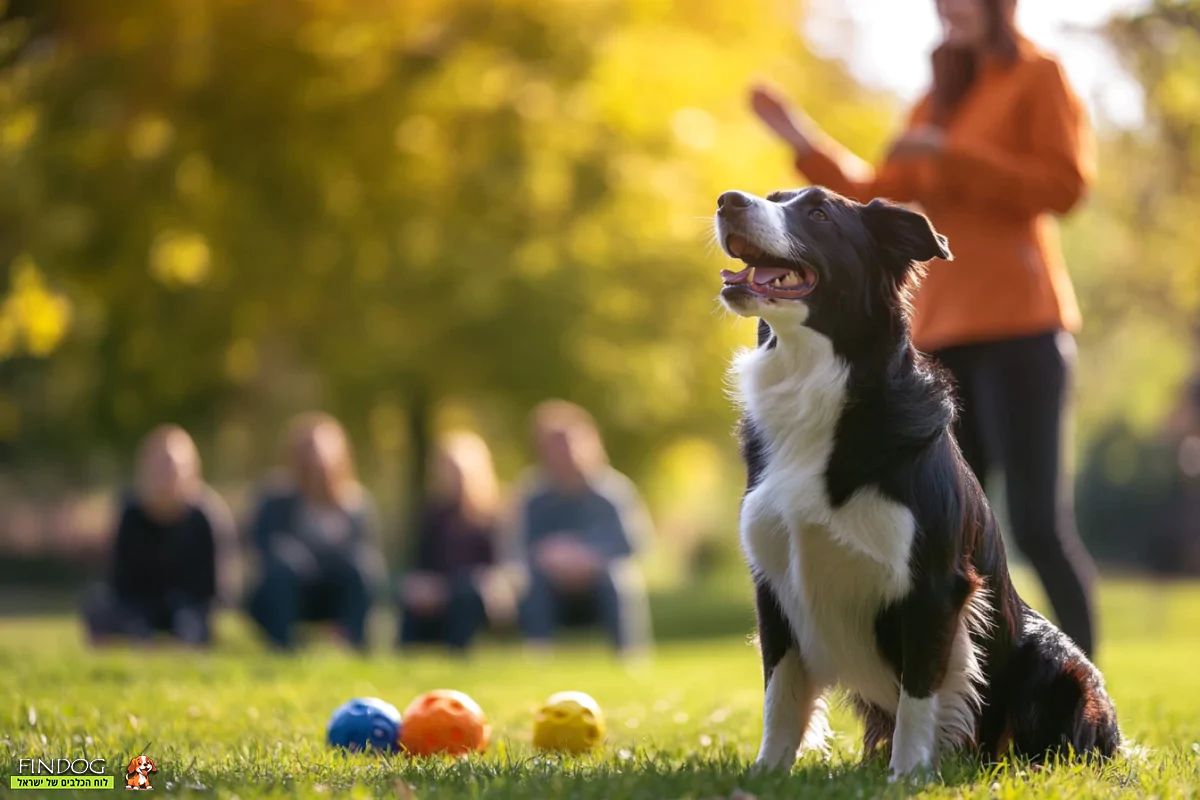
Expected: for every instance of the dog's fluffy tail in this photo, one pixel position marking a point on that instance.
(1058, 703)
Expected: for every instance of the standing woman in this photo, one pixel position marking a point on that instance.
(998, 146)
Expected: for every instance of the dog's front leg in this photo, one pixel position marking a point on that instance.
(929, 619)
(793, 712)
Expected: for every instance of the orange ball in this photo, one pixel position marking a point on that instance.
(444, 721)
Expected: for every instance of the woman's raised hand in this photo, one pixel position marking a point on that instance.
(785, 120)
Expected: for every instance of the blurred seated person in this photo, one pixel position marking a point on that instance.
(315, 540)
(577, 526)
(165, 567)
(453, 589)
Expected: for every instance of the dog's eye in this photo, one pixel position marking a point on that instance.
(818, 215)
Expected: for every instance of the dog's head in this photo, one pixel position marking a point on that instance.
(142, 765)
(810, 257)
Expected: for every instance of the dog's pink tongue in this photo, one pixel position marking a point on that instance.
(764, 275)
(732, 278)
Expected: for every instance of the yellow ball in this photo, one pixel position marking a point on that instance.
(569, 722)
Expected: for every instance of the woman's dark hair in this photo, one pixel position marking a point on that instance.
(955, 68)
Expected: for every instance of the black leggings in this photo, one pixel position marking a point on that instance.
(1013, 399)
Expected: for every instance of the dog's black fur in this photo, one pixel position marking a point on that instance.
(1041, 694)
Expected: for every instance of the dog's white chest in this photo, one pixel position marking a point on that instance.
(832, 577)
(832, 569)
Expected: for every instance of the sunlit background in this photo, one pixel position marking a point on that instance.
(423, 214)
(886, 44)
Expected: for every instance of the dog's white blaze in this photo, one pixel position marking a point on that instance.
(915, 740)
(833, 569)
(764, 224)
(794, 715)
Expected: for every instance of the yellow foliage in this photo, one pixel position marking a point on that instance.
(18, 129)
(32, 317)
(241, 361)
(386, 423)
(494, 199)
(149, 136)
(193, 176)
(694, 128)
(536, 258)
(416, 135)
(180, 258)
(10, 418)
(9, 336)
(548, 184)
(372, 263)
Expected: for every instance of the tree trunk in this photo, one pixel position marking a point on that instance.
(420, 420)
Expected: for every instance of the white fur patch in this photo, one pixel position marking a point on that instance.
(915, 741)
(832, 569)
(764, 224)
(794, 716)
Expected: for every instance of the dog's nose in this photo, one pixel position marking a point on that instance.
(733, 200)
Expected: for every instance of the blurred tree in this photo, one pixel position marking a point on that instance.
(232, 210)
(1133, 249)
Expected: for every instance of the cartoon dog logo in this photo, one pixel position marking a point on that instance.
(138, 773)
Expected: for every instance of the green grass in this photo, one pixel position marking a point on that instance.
(239, 721)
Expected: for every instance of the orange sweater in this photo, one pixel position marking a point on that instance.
(1017, 151)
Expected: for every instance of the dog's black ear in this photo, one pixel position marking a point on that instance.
(905, 234)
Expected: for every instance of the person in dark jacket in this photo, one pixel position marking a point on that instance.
(314, 539)
(451, 592)
(166, 570)
(578, 526)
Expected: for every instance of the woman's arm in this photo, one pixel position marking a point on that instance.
(828, 163)
(1052, 176)
(825, 162)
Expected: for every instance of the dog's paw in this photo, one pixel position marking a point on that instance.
(914, 775)
(910, 764)
(771, 762)
(761, 765)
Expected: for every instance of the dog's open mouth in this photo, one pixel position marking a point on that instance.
(767, 275)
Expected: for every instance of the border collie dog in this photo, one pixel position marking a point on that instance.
(877, 563)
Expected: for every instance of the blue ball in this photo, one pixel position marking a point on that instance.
(365, 723)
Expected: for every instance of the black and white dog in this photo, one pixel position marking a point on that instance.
(877, 563)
